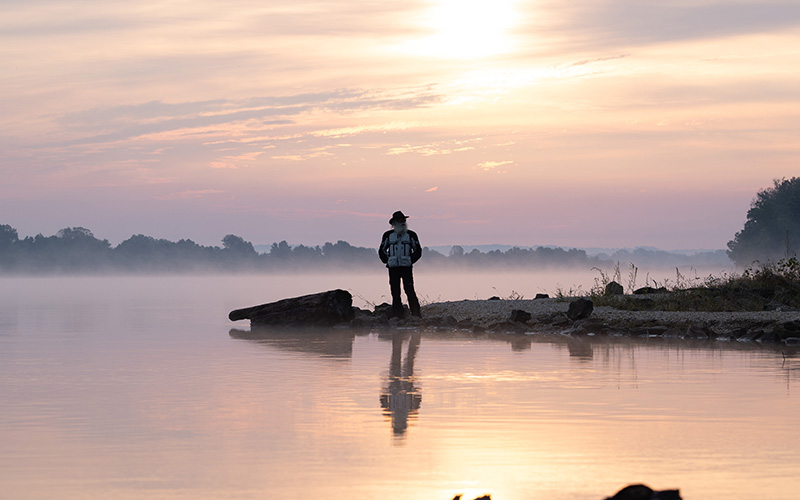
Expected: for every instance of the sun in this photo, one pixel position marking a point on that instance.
(466, 29)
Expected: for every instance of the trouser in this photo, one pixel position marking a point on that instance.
(396, 274)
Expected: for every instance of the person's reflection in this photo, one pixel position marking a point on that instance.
(401, 398)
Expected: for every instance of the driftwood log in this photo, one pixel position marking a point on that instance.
(318, 309)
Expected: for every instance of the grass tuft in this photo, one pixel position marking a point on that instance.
(774, 285)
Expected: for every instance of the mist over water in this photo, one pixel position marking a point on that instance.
(437, 286)
(132, 387)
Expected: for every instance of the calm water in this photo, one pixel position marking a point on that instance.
(131, 388)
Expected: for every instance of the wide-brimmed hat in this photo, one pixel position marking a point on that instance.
(398, 216)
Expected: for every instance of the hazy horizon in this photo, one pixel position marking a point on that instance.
(79, 250)
(609, 124)
(442, 248)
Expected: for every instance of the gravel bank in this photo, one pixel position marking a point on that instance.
(487, 312)
(550, 315)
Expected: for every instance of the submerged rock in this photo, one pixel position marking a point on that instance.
(642, 492)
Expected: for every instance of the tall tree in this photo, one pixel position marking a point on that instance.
(772, 229)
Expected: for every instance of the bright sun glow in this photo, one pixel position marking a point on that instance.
(466, 29)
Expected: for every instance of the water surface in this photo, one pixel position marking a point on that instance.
(139, 387)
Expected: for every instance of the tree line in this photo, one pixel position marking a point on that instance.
(76, 249)
(771, 232)
(772, 229)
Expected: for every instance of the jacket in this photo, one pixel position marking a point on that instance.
(399, 250)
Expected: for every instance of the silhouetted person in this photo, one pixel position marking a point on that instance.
(401, 399)
(399, 250)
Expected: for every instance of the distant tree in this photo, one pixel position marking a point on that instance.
(8, 236)
(197, 254)
(8, 242)
(456, 251)
(139, 244)
(140, 252)
(432, 259)
(306, 254)
(772, 228)
(238, 246)
(76, 248)
(343, 252)
(71, 249)
(75, 234)
(280, 251)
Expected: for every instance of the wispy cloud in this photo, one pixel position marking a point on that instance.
(157, 116)
(627, 23)
(191, 194)
(493, 165)
(289, 107)
(236, 161)
(360, 129)
(241, 124)
(433, 149)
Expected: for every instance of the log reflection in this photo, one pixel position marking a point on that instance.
(325, 342)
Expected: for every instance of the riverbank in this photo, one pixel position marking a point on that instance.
(549, 315)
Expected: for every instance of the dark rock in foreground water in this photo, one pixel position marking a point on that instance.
(642, 492)
(631, 492)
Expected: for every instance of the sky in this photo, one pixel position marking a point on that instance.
(602, 123)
